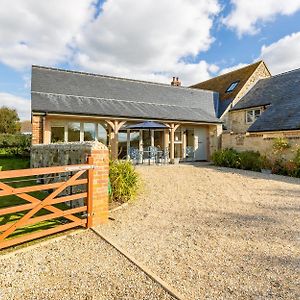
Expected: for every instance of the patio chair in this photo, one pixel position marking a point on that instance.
(165, 156)
(152, 154)
(189, 153)
(136, 156)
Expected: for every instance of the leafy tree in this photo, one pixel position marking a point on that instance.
(9, 120)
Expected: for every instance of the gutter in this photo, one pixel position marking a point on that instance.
(54, 114)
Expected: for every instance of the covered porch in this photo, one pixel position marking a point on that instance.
(171, 143)
(168, 142)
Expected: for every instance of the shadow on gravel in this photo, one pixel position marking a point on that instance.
(247, 173)
(236, 219)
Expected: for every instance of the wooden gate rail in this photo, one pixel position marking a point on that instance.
(35, 204)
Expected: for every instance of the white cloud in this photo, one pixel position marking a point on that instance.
(22, 105)
(138, 39)
(283, 55)
(40, 32)
(148, 39)
(246, 14)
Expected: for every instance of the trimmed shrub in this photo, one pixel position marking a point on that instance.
(250, 160)
(15, 144)
(226, 158)
(247, 160)
(124, 181)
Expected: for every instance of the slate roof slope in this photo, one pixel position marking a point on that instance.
(61, 91)
(221, 83)
(281, 93)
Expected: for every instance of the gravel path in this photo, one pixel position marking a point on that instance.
(212, 233)
(81, 266)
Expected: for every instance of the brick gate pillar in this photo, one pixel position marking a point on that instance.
(37, 130)
(98, 185)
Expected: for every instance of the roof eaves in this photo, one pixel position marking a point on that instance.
(122, 117)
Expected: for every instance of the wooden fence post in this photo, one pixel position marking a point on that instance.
(98, 186)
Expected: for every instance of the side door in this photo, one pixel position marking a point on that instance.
(200, 143)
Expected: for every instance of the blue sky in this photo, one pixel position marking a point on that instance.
(144, 39)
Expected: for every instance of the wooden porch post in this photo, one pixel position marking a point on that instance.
(183, 145)
(141, 146)
(172, 140)
(152, 138)
(128, 144)
(172, 149)
(114, 136)
(166, 138)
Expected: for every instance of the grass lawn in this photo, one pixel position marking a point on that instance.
(13, 163)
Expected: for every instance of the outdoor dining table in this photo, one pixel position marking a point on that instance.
(157, 152)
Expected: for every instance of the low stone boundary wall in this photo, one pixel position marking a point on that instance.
(261, 142)
(63, 154)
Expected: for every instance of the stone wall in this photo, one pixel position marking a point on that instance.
(230, 118)
(60, 154)
(214, 137)
(262, 142)
(260, 73)
(73, 154)
(237, 120)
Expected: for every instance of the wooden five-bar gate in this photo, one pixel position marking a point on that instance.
(45, 205)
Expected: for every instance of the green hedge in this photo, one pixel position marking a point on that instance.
(15, 144)
(247, 160)
(124, 181)
(250, 160)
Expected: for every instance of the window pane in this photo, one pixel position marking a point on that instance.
(73, 132)
(158, 139)
(232, 86)
(256, 113)
(249, 116)
(89, 131)
(122, 151)
(134, 139)
(102, 134)
(57, 134)
(177, 136)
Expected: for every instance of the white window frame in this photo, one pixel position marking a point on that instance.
(252, 114)
(65, 124)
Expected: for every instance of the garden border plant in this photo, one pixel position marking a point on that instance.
(254, 161)
(124, 181)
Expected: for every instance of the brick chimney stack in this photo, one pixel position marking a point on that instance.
(175, 82)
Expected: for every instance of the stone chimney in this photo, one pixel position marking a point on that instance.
(175, 82)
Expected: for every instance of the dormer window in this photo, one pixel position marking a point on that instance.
(232, 86)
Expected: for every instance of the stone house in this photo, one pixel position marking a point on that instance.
(270, 109)
(70, 106)
(232, 87)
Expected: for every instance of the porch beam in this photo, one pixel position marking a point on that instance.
(114, 136)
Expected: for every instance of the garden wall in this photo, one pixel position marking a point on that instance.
(43, 155)
(62, 154)
(261, 142)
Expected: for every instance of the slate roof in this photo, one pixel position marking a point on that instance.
(70, 92)
(281, 95)
(221, 83)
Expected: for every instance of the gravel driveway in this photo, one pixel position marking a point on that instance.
(215, 233)
(209, 233)
(80, 266)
